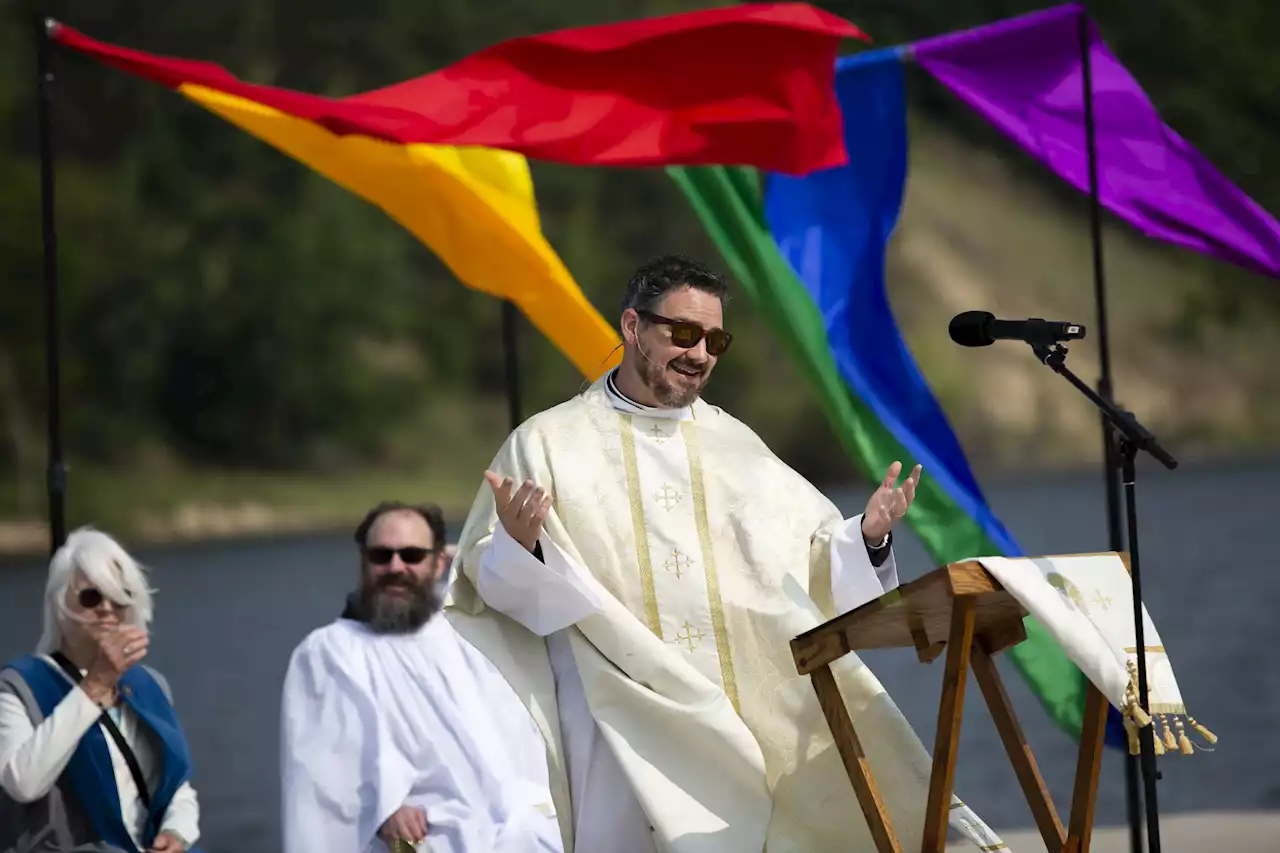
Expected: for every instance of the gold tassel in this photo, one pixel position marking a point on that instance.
(1169, 741)
(1133, 708)
(1184, 742)
(1204, 733)
(1157, 744)
(1132, 731)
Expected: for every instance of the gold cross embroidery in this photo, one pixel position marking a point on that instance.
(1101, 600)
(689, 636)
(667, 496)
(980, 832)
(657, 433)
(677, 563)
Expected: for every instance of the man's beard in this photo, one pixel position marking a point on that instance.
(665, 390)
(387, 612)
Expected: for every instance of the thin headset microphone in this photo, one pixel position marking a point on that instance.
(642, 352)
(586, 383)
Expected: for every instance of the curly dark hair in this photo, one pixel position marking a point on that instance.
(429, 512)
(662, 275)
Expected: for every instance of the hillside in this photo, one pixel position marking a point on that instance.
(248, 347)
(1192, 344)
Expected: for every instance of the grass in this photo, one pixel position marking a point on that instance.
(194, 504)
(158, 499)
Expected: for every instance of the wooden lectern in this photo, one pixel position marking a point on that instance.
(963, 610)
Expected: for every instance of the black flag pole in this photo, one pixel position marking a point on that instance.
(1111, 462)
(511, 360)
(57, 470)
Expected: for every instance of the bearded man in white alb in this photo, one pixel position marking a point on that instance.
(395, 731)
(636, 568)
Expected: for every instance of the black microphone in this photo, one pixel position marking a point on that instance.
(982, 329)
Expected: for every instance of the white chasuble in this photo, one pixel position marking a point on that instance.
(689, 556)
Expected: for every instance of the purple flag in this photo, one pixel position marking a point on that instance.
(1024, 75)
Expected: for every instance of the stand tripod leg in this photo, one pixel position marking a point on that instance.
(855, 760)
(946, 744)
(1015, 744)
(1084, 798)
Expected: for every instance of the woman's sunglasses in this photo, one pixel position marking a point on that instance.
(411, 556)
(90, 598)
(686, 335)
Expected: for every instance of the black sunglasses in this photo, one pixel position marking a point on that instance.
(91, 598)
(411, 555)
(686, 335)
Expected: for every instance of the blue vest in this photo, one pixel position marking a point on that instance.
(90, 771)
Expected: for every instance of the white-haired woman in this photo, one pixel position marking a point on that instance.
(92, 755)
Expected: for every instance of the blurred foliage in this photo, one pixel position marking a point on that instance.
(224, 306)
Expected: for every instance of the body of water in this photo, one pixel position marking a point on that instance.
(229, 614)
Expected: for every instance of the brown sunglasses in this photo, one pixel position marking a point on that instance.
(686, 335)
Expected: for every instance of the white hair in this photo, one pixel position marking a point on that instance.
(106, 565)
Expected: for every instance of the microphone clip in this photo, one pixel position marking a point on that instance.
(1052, 354)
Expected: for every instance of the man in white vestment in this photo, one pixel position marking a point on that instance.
(636, 567)
(397, 731)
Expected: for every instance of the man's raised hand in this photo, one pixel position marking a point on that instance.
(889, 503)
(522, 511)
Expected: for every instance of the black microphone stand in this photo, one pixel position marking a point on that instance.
(1131, 437)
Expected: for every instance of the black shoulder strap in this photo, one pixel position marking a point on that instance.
(110, 725)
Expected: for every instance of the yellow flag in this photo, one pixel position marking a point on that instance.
(474, 207)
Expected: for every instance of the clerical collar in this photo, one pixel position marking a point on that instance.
(623, 403)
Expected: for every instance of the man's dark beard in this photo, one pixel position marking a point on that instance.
(386, 613)
(667, 394)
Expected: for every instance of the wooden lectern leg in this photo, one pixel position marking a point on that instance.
(1085, 796)
(855, 760)
(1015, 744)
(947, 743)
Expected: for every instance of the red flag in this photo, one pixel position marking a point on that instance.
(743, 85)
